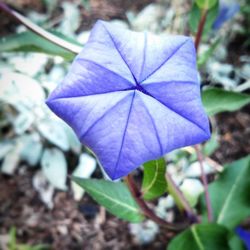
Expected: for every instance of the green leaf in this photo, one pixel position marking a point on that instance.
(211, 145)
(37, 247)
(236, 243)
(195, 16)
(12, 241)
(202, 58)
(154, 183)
(201, 237)
(206, 4)
(229, 194)
(30, 42)
(114, 196)
(54, 167)
(217, 100)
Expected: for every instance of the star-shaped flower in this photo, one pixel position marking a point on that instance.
(132, 97)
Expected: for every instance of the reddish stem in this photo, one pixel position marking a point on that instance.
(147, 211)
(205, 183)
(189, 211)
(200, 29)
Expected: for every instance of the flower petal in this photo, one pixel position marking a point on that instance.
(132, 97)
(144, 53)
(87, 78)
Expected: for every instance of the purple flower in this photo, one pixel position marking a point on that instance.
(227, 9)
(244, 235)
(132, 97)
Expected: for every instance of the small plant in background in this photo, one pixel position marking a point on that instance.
(13, 245)
(132, 97)
(30, 134)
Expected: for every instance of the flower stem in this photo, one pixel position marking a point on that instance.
(147, 211)
(39, 31)
(200, 29)
(205, 183)
(184, 203)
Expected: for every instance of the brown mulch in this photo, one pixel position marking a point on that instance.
(69, 225)
(63, 227)
(234, 135)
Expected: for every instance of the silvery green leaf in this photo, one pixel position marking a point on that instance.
(18, 87)
(167, 21)
(85, 169)
(148, 18)
(30, 64)
(51, 5)
(83, 37)
(54, 167)
(45, 190)
(36, 17)
(71, 20)
(144, 232)
(56, 74)
(220, 73)
(191, 189)
(5, 147)
(164, 204)
(32, 149)
(11, 160)
(23, 122)
(74, 142)
(120, 24)
(55, 133)
(245, 70)
(243, 87)
(194, 169)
